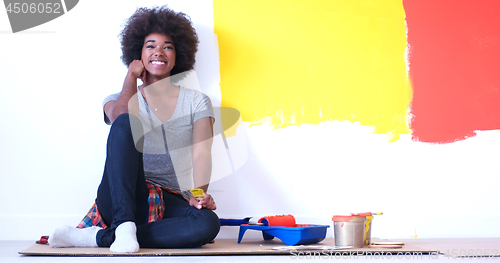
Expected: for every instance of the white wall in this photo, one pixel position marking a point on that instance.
(55, 76)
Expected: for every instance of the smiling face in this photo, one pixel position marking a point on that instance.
(158, 56)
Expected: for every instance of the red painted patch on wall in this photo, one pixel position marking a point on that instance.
(454, 68)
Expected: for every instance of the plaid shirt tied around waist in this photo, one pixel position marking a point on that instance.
(156, 207)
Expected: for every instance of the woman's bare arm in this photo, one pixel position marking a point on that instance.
(202, 158)
(114, 108)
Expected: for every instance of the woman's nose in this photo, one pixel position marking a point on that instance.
(158, 51)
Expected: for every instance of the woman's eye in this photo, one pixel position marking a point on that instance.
(150, 46)
(169, 47)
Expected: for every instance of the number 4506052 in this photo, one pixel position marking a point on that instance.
(34, 8)
(471, 253)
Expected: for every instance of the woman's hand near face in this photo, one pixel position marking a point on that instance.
(113, 109)
(136, 69)
(207, 202)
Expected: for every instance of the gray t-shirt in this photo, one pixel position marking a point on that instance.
(167, 151)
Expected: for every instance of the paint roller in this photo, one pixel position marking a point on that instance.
(278, 220)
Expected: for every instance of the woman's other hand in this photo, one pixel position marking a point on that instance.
(207, 202)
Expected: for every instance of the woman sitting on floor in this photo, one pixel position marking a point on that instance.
(161, 135)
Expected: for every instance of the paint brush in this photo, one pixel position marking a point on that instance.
(367, 214)
(197, 193)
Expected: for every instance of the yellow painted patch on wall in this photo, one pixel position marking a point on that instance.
(293, 62)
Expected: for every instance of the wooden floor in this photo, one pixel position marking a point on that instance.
(450, 249)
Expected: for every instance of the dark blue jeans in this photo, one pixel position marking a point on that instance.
(123, 196)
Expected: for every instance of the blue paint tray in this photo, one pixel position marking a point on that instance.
(297, 235)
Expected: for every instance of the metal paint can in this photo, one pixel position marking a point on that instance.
(368, 226)
(349, 230)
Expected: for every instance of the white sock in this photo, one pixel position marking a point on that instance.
(68, 236)
(125, 238)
